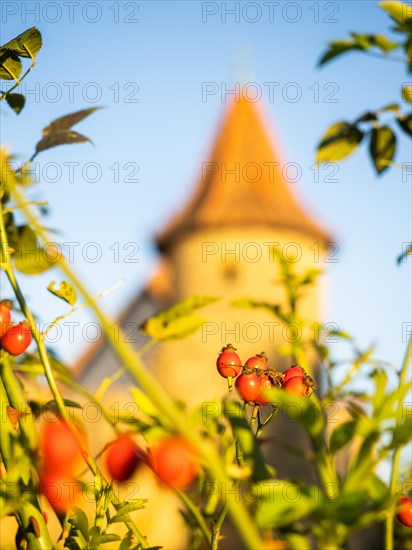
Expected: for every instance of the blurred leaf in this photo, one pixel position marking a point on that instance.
(10, 66)
(30, 258)
(382, 147)
(67, 121)
(404, 254)
(246, 440)
(338, 47)
(63, 137)
(98, 540)
(407, 93)
(406, 124)
(178, 321)
(65, 291)
(67, 402)
(79, 520)
(383, 43)
(16, 102)
(282, 502)
(400, 12)
(144, 404)
(75, 541)
(394, 107)
(131, 506)
(342, 435)
(339, 141)
(402, 434)
(127, 541)
(26, 44)
(367, 117)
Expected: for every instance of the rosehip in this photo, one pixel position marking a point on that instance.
(228, 363)
(248, 386)
(60, 449)
(61, 491)
(298, 386)
(265, 384)
(175, 462)
(5, 316)
(123, 458)
(404, 514)
(17, 339)
(295, 371)
(259, 361)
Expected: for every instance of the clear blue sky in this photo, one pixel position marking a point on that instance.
(160, 53)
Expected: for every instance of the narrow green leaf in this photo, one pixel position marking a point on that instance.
(338, 142)
(364, 41)
(103, 539)
(16, 102)
(62, 137)
(126, 543)
(406, 124)
(382, 147)
(67, 402)
(342, 435)
(383, 43)
(246, 440)
(30, 258)
(10, 66)
(144, 404)
(27, 44)
(65, 291)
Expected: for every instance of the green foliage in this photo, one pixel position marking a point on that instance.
(178, 321)
(65, 291)
(342, 138)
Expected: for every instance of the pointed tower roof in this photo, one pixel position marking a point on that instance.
(242, 184)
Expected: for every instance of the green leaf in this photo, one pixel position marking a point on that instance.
(400, 12)
(382, 147)
(79, 520)
(65, 291)
(27, 44)
(131, 506)
(16, 102)
(383, 43)
(103, 539)
(75, 542)
(63, 137)
(338, 142)
(338, 47)
(406, 124)
(394, 107)
(10, 66)
(282, 502)
(364, 41)
(67, 121)
(407, 93)
(126, 543)
(144, 404)
(30, 258)
(178, 321)
(342, 435)
(67, 402)
(248, 443)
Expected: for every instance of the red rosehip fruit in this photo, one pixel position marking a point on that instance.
(265, 384)
(122, 458)
(228, 363)
(5, 316)
(175, 462)
(17, 339)
(248, 386)
(404, 514)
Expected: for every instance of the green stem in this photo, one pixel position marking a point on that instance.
(197, 516)
(212, 461)
(393, 485)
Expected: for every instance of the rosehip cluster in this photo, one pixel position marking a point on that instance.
(14, 339)
(255, 377)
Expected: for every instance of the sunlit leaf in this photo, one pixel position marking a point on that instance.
(65, 291)
(342, 435)
(407, 93)
(178, 321)
(339, 141)
(338, 47)
(400, 12)
(10, 66)
(67, 121)
(406, 124)
(382, 147)
(30, 258)
(16, 102)
(79, 520)
(27, 44)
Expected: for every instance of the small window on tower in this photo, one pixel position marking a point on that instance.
(230, 272)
